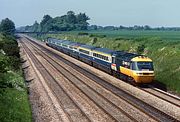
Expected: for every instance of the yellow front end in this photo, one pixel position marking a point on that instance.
(143, 77)
(136, 72)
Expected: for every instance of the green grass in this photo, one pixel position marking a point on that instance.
(163, 47)
(131, 34)
(14, 104)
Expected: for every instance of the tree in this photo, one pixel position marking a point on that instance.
(92, 27)
(46, 23)
(67, 22)
(7, 27)
(82, 23)
(147, 27)
(46, 18)
(35, 27)
(121, 27)
(71, 18)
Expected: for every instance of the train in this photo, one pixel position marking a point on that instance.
(127, 66)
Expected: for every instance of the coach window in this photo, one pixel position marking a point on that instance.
(84, 51)
(107, 58)
(87, 52)
(80, 50)
(64, 45)
(104, 57)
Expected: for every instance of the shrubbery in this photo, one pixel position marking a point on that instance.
(3, 63)
(9, 47)
(97, 35)
(14, 105)
(140, 49)
(9, 60)
(83, 33)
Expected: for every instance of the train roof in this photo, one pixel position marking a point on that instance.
(104, 50)
(61, 41)
(125, 55)
(87, 47)
(119, 54)
(67, 42)
(56, 40)
(76, 44)
(52, 38)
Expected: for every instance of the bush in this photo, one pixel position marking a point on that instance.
(140, 49)
(10, 53)
(94, 40)
(83, 33)
(119, 38)
(14, 62)
(97, 35)
(3, 63)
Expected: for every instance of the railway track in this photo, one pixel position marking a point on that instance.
(162, 95)
(149, 110)
(47, 91)
(57, 91)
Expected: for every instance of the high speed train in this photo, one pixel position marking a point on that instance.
(126, 66)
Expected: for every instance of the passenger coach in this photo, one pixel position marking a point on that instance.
(126, 66)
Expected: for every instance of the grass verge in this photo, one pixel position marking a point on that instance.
(14, 104)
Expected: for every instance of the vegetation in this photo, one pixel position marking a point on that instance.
(7, 27)
(14, 105)
(135, 27)
(162, 46)
(67, 22)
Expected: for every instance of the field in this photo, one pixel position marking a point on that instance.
(161, 46)
(131, 34)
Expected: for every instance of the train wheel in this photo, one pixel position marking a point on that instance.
(114, 73)
(122, 77)
(90, 63)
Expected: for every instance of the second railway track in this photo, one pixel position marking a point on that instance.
(161, 94)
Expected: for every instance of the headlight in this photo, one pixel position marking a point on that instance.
(139, 73)
(145, 74)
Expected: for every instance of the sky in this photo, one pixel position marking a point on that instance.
(155, 13)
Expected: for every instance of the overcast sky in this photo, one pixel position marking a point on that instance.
(101, 12)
